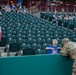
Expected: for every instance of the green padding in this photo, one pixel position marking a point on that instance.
(0, 66)
(36, 65)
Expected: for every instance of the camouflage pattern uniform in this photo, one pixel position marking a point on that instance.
(69, 49)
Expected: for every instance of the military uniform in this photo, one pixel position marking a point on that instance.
(69, 49)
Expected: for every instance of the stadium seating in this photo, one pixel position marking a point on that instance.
(30, 31)
(71, 24)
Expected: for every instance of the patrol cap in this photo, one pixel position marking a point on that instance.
(65, 39)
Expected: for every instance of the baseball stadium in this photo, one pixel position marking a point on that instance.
(37, 37)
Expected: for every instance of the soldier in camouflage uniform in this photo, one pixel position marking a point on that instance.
(69, 49)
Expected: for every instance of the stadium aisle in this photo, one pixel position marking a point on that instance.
(5, 54)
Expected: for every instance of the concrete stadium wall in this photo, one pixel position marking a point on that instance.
(36, 65)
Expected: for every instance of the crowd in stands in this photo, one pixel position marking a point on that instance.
(66, 16)
(62, 19)
(13, 7)
(67, 21)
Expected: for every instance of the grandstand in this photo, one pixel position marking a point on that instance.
(71, 24)
(30, 31)
(26, 35)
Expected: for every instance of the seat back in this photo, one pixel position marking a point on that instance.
(28, 51)
(13, 47)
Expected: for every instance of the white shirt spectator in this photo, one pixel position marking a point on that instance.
(70, 17)
(7, 8)
(25, 11)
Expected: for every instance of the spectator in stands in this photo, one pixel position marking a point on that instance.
(3, 8)
(60, 17)
(73, 16)
(66, 17)
(25, 10)
(70, 17)
(19, 10)
(17, 7)
(54, 49)
(0, 15)
(7, 8)
(12, 6)
(55, 17)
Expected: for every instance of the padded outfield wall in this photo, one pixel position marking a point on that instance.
(36, 65)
